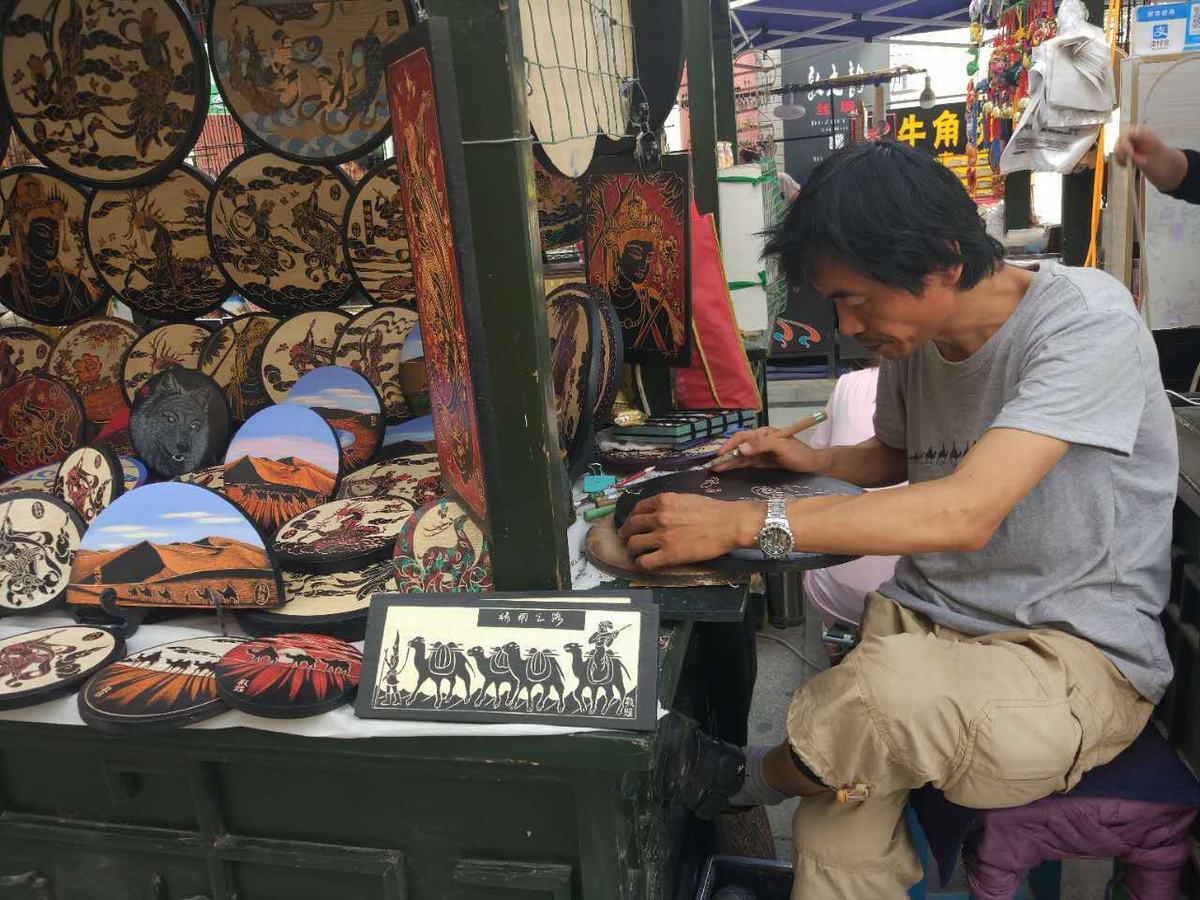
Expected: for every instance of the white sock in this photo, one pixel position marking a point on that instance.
(755, 791)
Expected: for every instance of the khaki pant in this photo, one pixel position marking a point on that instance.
(994, 721)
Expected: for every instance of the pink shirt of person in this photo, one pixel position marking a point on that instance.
(840, 591)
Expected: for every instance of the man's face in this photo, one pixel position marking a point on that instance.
(886, 319)
(635, 261)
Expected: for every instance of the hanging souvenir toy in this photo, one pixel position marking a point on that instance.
(1043, 25)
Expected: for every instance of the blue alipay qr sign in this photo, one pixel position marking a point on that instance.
(1170, 26)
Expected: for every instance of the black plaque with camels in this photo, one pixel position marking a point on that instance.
(745, 484)
(529, 658)
(150, 246)
(276, 231)
(108, 93)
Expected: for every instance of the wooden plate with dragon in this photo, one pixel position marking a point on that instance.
(372, 345)
(416, 478)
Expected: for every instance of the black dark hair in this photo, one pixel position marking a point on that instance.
(892, 212)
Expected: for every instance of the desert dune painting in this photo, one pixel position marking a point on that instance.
(282, 462)
(173, 544)
(345, 400)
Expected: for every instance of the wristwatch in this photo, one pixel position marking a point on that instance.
(775, 538)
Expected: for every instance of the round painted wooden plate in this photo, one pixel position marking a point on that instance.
(232, 357)
(371, 345)
(416, 478)
(179, 344)
(441, 549)
(39, 535)
(157, 689)
(88, 356)
(341, 535)
(150, 245)
(348, 402)
(560, 208)
(51, 662)
(612, 355)
(276, 231)
(298, 345)
(335, 604)
(107, 93)
(658, 35)
(48, 276)
(41, 421)
(212, 477)
(22, 350)
(307, 79)
(283, 461)
(289, 676)
(134, 472)
(376, 237)
(574, 368)
(179, 422)
(89, 479)
(174, 545)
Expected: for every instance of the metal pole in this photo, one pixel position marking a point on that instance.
(702, 109)
(726, 110)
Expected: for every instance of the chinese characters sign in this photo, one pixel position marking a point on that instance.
(942, 129)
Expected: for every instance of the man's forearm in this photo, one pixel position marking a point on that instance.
(869, 464)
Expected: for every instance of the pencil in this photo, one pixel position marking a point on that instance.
(791, 431)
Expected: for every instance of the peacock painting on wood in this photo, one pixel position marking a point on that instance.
(509, 658)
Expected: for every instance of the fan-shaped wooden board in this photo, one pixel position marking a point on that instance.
(298, 345)
(46, 275)
(108, 93)
(22, 350)
(89, 479)
(335, 604)
(341, 535)
(51, 662)
(232, 358)
(150, 245)
(307, 79)
(416, 478)
(89, 357)
(377, 237)
(178, 344)
(578, 54)
(371, 345)
(276, 231)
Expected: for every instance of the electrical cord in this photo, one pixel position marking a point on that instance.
(793, 648)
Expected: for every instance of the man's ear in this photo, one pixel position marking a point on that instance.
(951, 275)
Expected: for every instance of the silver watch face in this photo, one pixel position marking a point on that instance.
(774, 542)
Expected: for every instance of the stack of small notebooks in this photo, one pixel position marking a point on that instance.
(684, 429)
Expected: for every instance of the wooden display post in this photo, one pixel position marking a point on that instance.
(530, 505)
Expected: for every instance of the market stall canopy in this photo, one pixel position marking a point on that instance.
(770, 24)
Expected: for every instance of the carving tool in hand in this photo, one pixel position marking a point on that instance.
(791, 431)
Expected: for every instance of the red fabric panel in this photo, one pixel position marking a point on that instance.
(719, 375)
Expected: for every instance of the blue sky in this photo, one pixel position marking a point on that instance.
(335, 387)
(167, 513)
(286, 430)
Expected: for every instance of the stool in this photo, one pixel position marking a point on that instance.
(1149, 839)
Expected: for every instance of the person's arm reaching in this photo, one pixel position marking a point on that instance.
(869, 464)
(959, 512)
(1174, 172)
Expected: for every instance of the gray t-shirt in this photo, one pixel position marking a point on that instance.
(1088, 550)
